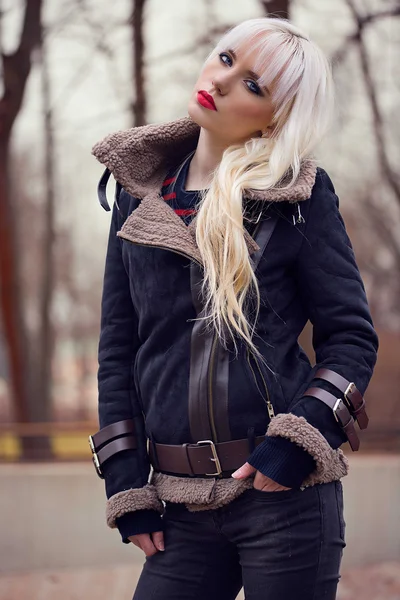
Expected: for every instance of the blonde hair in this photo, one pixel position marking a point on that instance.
(303, 99)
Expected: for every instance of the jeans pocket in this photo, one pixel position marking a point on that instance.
(340, 507)
(266, 496)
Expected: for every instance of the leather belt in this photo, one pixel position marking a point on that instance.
(203, 458)
(340, 411)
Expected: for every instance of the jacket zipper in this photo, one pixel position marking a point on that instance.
(270, 408)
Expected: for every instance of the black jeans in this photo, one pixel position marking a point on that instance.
(284, 545)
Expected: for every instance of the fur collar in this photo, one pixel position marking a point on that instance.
(139, 159)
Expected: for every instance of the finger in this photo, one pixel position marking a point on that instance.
(244, 471)
(264, 483)
(260, 482)
(158, 539)
(147, 545)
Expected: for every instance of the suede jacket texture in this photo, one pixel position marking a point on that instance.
(308, 272)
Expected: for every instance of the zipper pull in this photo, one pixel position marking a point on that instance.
(270, 409)
(300, 218)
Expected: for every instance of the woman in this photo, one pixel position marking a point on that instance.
(225, 239)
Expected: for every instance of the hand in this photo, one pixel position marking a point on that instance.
(261, 482)
(150, 543)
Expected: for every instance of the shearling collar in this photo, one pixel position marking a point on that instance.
(139, 159)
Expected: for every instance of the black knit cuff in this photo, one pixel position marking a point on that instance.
(283, 461)
(139, 521)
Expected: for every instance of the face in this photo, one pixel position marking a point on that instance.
(244, 108)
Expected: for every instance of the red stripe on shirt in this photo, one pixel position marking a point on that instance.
(168, 181)
(184, 211)
(169, 196)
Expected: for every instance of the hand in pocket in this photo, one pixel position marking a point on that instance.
(261, 482)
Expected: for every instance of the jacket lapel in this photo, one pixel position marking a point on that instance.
(155, 223)
(139, 160)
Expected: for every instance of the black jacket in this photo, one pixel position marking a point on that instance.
(147, 363)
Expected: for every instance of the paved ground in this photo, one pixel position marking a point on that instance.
(375, 582)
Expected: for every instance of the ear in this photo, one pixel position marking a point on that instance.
(267, 132)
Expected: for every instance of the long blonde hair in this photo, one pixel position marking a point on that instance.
(303, 98)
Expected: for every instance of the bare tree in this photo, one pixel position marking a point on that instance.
(276, 8)
(16, 68)
(139, 104)
(40, 410)
(378, 221)
(377, 120)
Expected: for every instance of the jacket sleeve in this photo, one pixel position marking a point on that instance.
(333, 295)
(126, 473)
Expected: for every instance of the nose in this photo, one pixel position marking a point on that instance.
(220, 85)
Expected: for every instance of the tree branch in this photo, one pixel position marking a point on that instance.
(17, 66)
(377, 121)
(200, 42)
(362, 21)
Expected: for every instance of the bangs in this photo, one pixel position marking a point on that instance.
(280, 56)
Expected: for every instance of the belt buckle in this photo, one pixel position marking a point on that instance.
(95, 458)
(336, 406)
(215, 455)
(349, 390)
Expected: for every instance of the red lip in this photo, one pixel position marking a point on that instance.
(206, 100)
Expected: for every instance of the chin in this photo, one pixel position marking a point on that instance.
(195, 112)
(199, 115)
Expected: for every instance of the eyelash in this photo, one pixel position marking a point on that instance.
(258, 91)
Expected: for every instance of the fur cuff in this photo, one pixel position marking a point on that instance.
(130, 500)
(331, 464)
(199, 493)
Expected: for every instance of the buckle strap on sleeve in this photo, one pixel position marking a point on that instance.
(106, 434)
(353, 397)
(106, 442)
(341, 414)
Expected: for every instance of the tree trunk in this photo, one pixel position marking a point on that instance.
(276, 8)
(10, 295)
(16, 69)
(139, 106)
(41, 403)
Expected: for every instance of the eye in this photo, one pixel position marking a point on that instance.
(255, 89)
(223, 55)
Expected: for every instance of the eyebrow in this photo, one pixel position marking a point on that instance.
(254, 75)
(249, 71)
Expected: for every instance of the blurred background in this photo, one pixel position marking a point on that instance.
(73, 71)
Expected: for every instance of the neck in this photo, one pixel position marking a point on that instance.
(205, 160)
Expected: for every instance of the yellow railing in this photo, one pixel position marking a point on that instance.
(69, 440)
